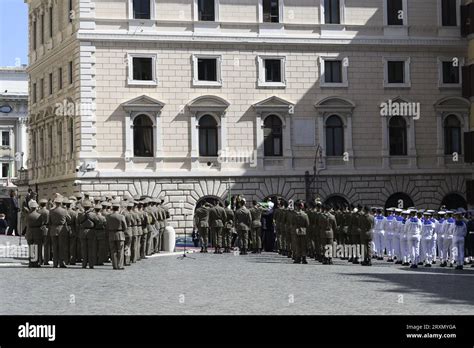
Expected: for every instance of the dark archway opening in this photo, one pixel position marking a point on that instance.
(454, 201)
(399, 200)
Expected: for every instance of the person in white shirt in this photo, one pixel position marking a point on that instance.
(434, 218)
(390, 227)
(459, 234)
(379, 234)
(404, 239)
(439, 231)
(414, 226)
(396, 236)
(427, 232)
(448, 230)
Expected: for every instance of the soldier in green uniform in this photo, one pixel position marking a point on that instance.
(100, 231)
(228, 228)
(300, 224)
(277, 215)
(346, 215)
(256, 228)
(243, 221)
(35, 223)
(201, 221)
(366, 224)
(73, 233)
(339, 236)
(129, 233)
(44, 211)
(139, 233)
(58, 220)
(354, 233)
(162, 216)
(310, 231)
(116, 225)
(87, 235)
(318, 231)
(330, 226)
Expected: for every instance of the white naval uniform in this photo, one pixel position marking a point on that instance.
(459, 235)
(390, 227)
(404, 241)
(379, 235)
(414, 227)
(396, 238)
(427, 232)
(434, 239)
(439, 230)
(448, 231)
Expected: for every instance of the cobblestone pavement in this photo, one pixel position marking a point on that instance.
(228, 284)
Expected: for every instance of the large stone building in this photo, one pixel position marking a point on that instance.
(13, 117)
(188, 98)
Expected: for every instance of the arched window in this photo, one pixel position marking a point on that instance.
(272, 135)
(334, 136)
(336, 201)
(60, 139)
(399, 200)
(208, 142)
(142, 136)
(41, 144)
(452, 135)
(454, 201)
(398, 136)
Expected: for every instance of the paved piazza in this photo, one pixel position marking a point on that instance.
(228, 284)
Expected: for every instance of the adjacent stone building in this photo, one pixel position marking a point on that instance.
(191, 98)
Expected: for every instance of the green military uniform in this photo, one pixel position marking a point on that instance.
(87, 235)
(310, 232)
(328, 239)
(130, 220)
(243, 221)
(318, 221)
(217, 218)
(256, 213)
(201, 220)
(300, 224)
(58, 221)
(228, 228)
(100, 235)
(277, 215)
(138, 234)
(354, 233)
(161, 215)
(116, 226)
(74, 244)
(346, 216)
(46, 237)
(35, 223)
(366, 223)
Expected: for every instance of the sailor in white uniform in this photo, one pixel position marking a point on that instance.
(379, 234)
(414, 226)
(427, 232)
(459, 235)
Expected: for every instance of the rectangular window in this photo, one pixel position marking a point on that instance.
(5, 138)
(396, 71)
(450, 73)
(5, 170)
(332, 71)
(50, 83)
(273, 70)
(50, 141)
(35, 99)
(141, 9)
(51, 13)
(35, 30)
(332, 13)
(207, 69)
(60, 140)
(206, 10)
(71, 79)
(271, 11)
(70, 13)
(41, 89)
(449, 13)
(395, 12)
(42, 29)
(60, 78)
(142, 69)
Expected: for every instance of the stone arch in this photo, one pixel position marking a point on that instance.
(454, 200)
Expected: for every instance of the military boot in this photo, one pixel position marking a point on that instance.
(303, 261)
(297, 260)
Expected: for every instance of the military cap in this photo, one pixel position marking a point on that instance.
(104, 204)
(32, 204)
(98, 206)
(391, 209)
(441, 212)
(406, 212)
(116, 204)
(137, 197)
(87, 203)
(460, 211)
(58, 200)
(96, 198)
(355, 210)
(72, 198)
(43, 201)
(398, 210)
(449, 212)
(430, 211)
(427, 213)
(78, 194)
(65, 200)
(131, 204)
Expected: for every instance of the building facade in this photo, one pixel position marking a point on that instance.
(348, 100)
(13, 118)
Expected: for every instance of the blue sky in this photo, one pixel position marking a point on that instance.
(13, 32)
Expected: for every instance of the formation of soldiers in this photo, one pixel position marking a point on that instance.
(408, 237)
(93, 231)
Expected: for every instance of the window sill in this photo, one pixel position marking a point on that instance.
(334, 85)
(396, 85)
(142, 83)
(197, 83)
(271, 84)
(450, 86)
